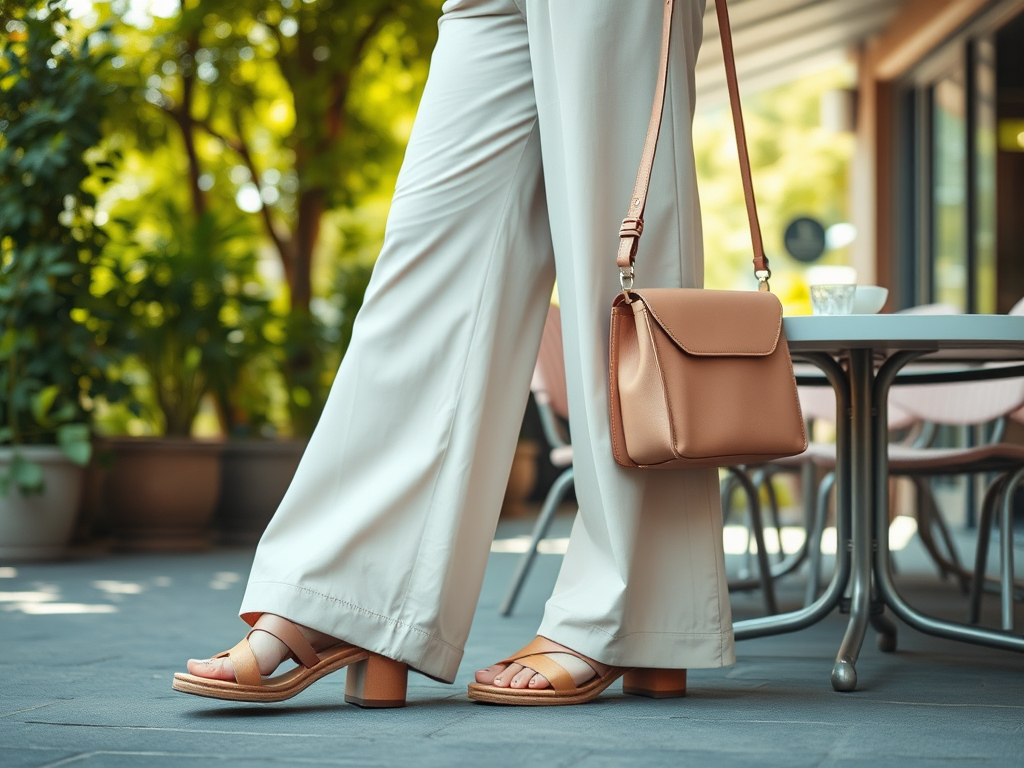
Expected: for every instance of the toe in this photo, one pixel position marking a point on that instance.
(504, 679)
(486, 676)
(539, 682)
(213, 669)
(522, 679)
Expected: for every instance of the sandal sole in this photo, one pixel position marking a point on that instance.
(523, 697)
(270, 692)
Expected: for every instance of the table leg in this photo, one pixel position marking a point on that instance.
(882, 569)
(844, 673)
(886, 629)
(829, 599)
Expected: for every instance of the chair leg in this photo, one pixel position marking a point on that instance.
(947, 540)
(929, 517)
(1006, 550)
(821, 514)
(757, 525)
(927, 512)
(988, 507)
(540, 529)
(764, 479)
(728, 487)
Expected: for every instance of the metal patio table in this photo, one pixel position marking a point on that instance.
(847, 349)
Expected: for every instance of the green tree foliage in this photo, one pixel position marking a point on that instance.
(192, 314)
(288, 109)
(52, 366)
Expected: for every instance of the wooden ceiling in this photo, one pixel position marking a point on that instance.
(777, 41)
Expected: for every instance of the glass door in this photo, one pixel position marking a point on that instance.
(949, 190)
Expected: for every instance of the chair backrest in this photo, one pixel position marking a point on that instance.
(964, 403)
(820, 403)
(549, 373)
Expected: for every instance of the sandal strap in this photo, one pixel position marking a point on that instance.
(555, 673)
(541, 645)
(534, 656)
(243, 661)
(289, 634)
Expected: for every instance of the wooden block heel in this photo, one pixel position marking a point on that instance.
(376, 682)
(655, 683)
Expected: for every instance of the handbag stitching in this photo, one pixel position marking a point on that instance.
(736, 353)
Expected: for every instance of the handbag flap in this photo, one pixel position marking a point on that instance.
(716, 323)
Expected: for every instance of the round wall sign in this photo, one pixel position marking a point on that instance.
(805, 239)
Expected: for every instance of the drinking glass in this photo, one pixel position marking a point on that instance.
(832, 299)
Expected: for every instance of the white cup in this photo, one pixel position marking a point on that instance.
(869, 299)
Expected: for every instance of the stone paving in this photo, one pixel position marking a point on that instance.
(88, 647)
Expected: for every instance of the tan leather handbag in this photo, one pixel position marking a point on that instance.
(699, 378)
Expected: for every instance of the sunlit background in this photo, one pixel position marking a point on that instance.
(251, 148)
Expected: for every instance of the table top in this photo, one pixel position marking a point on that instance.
(961, 337)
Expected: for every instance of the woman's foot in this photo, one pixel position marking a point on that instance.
(517, 676)
(268, 650)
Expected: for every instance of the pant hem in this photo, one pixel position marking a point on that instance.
(354, 624)
(667, 650)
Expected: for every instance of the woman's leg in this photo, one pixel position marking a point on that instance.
(643, 581)
(383, 536)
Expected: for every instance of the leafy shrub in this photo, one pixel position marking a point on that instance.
(52, 366)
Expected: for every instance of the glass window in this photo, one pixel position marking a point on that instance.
(985, 144)
(949, 190)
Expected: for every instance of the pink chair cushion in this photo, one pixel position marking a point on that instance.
(549, 373)
(820, 403)
(968, 402)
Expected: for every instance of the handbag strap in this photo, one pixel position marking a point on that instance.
(633, 224)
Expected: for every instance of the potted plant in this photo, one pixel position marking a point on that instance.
(188, 304)
(51, 367)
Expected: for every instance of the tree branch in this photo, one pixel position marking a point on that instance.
(242, 148)
(375, 26)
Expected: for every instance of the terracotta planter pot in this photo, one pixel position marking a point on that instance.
(160, 493)
(254, 477)
(521, 479)
(91, 509)
(39, 527)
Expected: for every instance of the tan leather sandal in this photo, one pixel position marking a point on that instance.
(373, 680)
(654, 683)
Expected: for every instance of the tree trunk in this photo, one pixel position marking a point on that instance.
(188, 132)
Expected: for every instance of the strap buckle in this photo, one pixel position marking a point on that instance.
(626, 275)
(763, 276)
(632, 226)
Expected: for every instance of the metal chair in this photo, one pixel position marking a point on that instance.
(965, 404)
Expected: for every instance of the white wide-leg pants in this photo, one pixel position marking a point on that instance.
(520, 165)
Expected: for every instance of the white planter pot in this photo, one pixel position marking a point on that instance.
(39, 527)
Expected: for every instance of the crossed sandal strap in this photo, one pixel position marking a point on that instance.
(534, 657)
(289, 634)
(243, 661)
